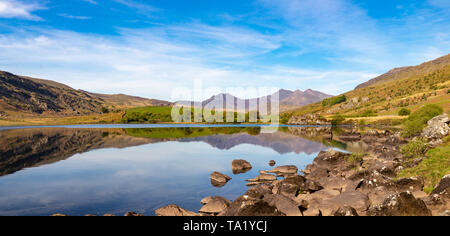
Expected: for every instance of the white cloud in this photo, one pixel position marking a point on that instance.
(75, 17)
(17, 9)
(152, 62)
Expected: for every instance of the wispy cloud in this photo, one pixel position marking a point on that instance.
(141, 8)
(75, 17)
(18, 9)
(91, 1)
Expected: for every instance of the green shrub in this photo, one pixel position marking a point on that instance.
(416, 121)
(414, 149)
(337, 120)
(334, 100)
(105, 110)
(404, 112)
(369, 113)
(355, 158)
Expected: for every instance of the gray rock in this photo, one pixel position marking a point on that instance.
(443, 187)
(345, 211)
(402, 204)
(437, 128)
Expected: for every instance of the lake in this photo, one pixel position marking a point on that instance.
(99, 169)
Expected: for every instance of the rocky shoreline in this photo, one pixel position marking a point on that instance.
(339, 184)
(336, 183)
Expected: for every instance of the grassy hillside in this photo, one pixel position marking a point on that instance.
(385, 100)
(409, 72)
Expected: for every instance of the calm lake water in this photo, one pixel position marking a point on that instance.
(78, 170)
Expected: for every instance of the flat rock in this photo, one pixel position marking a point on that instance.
(263, 178)
(174, 210)
(284, 170)
(214, 205)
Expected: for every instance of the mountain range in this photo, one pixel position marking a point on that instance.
(287, 100)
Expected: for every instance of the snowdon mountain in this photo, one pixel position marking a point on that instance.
(288, 100)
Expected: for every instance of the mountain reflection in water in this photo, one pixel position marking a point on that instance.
(119, 170)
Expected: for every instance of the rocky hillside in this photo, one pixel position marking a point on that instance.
(410, 71)
(19, 94)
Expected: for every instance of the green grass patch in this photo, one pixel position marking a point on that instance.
(148, 115)
(404, 112)
(433, 168)
(355, 158)
(414, 149)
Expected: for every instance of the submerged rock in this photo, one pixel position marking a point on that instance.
(272, 163)
(241, 166)
(174, 210)
(402, 204)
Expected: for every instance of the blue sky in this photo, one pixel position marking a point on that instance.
(146, 48)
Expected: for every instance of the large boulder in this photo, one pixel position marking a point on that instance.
(294, 185)
(345, 211)
(443, 187)
(285, 205)
(437, 128)
(253, 204)
(214, 205)
(402, 204)
(241, 166)
(174, 210)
